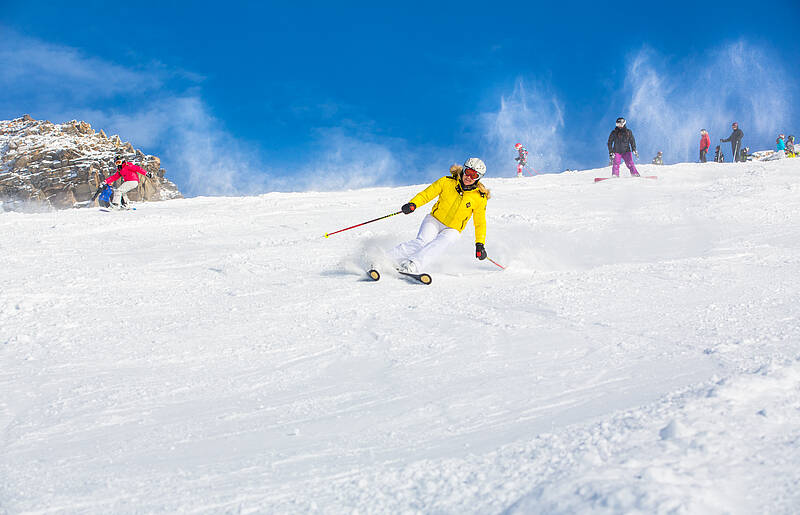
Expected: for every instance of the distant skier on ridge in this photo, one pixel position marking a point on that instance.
(521, 159)
(705, 144)
(620, 145)
(736, 141)
(659, 159)
(719, 157)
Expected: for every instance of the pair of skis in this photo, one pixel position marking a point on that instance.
(110, 210)
(423, 278)
(598, 179)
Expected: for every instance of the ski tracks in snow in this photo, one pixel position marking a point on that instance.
(638, 354)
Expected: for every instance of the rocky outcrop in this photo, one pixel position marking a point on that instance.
(61, 166)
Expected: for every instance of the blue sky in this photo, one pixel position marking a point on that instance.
(237, 97)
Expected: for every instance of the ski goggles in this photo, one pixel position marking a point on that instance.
(472, 174)
(620, 124)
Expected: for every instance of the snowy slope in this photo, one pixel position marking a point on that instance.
(640, 352)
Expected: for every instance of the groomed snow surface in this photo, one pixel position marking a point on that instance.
(640, 353)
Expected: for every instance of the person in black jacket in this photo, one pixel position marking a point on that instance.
(736, 141)
(620, 145)
(719, 157)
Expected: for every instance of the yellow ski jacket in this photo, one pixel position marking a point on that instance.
(455, 206)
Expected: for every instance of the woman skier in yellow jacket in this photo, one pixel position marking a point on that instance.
(461, 196)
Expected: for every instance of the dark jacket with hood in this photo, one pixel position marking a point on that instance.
(736, 143)
(736, 136)
(621, 140)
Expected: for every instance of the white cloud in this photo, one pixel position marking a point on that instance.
(668, 103)
(66, 72)
(168, 116)
(530, 115)
(200, 155)
(62, 83)
(342, 160)
(206, 159)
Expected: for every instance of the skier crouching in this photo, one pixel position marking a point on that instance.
(620, 145)
(460, 196)
(130, 177)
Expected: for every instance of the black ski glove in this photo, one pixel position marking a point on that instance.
(611, 155)
(480, 252)
(149, 175)
(409, 208)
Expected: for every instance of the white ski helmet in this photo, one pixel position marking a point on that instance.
(477, 165)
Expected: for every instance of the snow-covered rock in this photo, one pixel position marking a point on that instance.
(61, 165)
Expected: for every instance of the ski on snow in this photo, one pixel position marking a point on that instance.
(423, 278)
(598, 179)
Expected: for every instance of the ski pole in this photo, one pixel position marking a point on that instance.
(359, 225)
(96, 193)
(94, 197)
(496, 263)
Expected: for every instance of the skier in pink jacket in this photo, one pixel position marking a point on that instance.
(129, 173)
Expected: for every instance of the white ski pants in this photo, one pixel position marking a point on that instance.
(123, 190)
(433, 238)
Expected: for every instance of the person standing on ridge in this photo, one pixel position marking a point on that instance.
(705, 144)
(129, 173)
(736, 141)
(659, 159)
(460, 196)
(522, 159)
(790, 150)
(719, 157)
(620, 145)
(780, 143)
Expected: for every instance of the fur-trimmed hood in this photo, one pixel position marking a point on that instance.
(454, 205)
